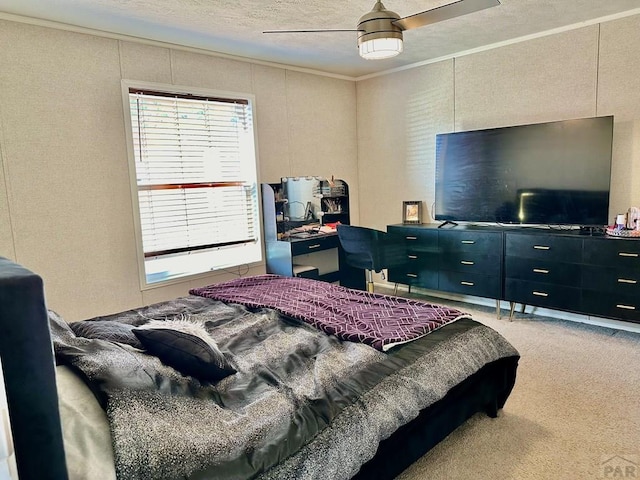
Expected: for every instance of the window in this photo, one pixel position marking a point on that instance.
(194, 163)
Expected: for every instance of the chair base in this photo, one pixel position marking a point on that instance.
(369, 281)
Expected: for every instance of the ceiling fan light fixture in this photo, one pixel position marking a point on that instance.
(378, 36)
(379, 48)
(380, 30)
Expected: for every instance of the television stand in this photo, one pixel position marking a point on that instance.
(589, 274)
(448, 222)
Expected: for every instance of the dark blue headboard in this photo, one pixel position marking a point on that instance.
(29, 375)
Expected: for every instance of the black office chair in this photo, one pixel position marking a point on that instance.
(369, 249)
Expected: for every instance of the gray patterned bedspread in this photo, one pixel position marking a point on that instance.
(302, 405)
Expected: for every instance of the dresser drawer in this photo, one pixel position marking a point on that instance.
(420, 265)
(478, 262)
(543, 271)
(542, 294)
(612, 280)
(414, 235)
(416, 240)
(469, 241)
(470, 284)
(416, 259)
(612, 252)
(624, 307)
(420, 277)
(544, 247)
(314, 244)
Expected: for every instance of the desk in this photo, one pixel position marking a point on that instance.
(281, 255)
(320, 250)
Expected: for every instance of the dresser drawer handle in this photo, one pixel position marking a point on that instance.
(467, 262)
(315, 245)
(623, 254)
(468, 242)
(540, 294)
(412, 257)
(411, 238)
(468, 284)
(626, 307)
(412, 275)
(540, 270)
(542, 247)
(626, 280)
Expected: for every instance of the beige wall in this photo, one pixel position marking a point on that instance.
(398, 118)
(66, 211)
(619, 95)
(6, 235)
(585, 72)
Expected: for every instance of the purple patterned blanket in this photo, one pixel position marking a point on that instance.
(381, 321)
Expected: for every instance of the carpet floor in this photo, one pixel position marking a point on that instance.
(574, 412)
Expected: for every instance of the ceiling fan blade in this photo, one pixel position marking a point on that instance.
(321, 30)
(445, 12)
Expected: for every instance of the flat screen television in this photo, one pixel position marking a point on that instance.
(555, 173)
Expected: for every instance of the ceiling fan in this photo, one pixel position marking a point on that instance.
(380, 30)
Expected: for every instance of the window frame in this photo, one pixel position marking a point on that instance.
(171, 89)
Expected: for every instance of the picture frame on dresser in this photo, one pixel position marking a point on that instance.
(412, 212)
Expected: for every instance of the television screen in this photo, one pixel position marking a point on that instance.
(555, 173)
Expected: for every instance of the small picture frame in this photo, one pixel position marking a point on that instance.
(412, 212)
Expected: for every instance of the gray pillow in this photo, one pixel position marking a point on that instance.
(185, 346)
(106, 330)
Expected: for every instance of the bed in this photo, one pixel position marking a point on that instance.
(286, 399)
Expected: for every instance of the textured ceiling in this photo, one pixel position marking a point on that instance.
(235, 26)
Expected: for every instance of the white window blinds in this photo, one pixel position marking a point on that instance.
(195, 172)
